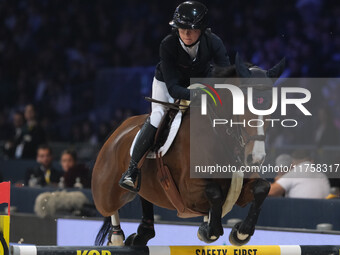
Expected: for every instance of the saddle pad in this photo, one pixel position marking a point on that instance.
(176, 123)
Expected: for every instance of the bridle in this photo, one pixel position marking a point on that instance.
(240, 135)
(241, 140)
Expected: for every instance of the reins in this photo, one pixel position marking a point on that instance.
(174, 106)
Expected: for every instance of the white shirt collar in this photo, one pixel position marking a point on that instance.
(192, 51)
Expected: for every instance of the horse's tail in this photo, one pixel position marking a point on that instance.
(104, 230)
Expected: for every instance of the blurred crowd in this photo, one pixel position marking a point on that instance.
(73, 174)
(51, 51)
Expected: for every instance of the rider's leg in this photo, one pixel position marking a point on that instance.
(159, 92)
(147, 133)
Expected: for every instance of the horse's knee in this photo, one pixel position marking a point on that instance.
(214, 193)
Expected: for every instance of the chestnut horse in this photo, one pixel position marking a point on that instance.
(205, 196)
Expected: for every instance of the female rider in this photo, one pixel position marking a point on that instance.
(187, 52)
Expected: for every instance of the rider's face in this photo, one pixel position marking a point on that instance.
(189, 36)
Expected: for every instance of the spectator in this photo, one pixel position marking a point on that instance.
(72, 170)
(44, 174)
(301, 181)
(16, 134)
(33, 135)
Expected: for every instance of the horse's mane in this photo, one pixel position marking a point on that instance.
(227, 72)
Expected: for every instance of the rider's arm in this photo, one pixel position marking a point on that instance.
(220, 55)
(276, 190)
(171, 74)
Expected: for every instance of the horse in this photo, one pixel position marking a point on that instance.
(202, 195)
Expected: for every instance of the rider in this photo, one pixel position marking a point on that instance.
(186, 52)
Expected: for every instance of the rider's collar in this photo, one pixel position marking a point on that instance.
(191, 49)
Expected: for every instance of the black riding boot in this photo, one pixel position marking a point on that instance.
(144, 141)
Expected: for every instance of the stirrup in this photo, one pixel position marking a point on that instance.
(133, 189)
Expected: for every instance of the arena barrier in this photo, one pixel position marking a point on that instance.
(178, 250)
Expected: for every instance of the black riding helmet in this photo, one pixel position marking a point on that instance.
(190, 15)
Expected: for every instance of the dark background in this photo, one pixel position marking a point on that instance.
(76, 60)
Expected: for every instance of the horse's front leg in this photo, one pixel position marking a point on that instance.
(212, 229)
(242, 231)
(146, 229)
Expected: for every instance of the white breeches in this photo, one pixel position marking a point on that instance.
(161, 93)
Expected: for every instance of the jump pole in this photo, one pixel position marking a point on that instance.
(178, 250)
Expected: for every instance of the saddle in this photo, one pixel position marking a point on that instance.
(164, 129)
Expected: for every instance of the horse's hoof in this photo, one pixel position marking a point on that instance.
(119, 242)
(236, 238)
(203, 234)
(116, 241)
(116, 238)
(135, 240)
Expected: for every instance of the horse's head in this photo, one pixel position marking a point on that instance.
(256, 84)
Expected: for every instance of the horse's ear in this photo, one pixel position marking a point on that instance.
(241, 69)
(277, 70)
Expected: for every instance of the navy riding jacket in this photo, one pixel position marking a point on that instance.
(176, 66)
